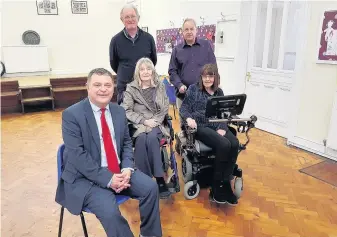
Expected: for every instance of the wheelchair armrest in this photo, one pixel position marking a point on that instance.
(167, 117)
(167, 120)
(132, 129)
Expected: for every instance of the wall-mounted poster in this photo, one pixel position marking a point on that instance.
(167, 39)
(328, 38)
(46, 7)
(79, 7)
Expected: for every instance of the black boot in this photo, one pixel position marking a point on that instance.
(222, 192)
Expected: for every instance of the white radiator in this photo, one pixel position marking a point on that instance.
(25, 59)
(332, 136)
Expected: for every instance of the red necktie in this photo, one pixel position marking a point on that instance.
(110, 151)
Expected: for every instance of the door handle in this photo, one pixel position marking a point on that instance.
(248, 75)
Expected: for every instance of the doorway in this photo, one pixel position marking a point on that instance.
(273, 45)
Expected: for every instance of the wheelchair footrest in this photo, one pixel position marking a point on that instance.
(237, 172)
(242, 147)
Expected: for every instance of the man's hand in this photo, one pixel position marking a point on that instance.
(221, 132)
(191, 123)
(121, 181)
(117, 180)
(151, 123)
(182, 89)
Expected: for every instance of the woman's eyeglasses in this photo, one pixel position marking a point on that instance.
(207, 76)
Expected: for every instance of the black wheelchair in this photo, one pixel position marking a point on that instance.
(167, 155)
(198, 159)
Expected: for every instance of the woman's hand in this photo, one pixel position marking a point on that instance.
(191, 123)
(221, 132)
(151, 123)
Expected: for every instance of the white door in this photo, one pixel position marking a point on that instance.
(273, 42)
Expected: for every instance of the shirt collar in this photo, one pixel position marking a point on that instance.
(95, 108)
(127, 35)
(196, 42)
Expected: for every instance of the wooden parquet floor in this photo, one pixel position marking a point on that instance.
(277, 201)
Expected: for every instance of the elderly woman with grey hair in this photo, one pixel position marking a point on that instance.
(146, 105)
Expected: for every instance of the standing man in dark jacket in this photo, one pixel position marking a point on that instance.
(127, 47)
(188, 58)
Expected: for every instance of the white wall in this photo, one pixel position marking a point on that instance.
(76, 43)
(175, 11)
(315, 87)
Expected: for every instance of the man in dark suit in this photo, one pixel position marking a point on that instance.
(98, 162)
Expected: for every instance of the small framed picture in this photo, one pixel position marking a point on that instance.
(145, 28)
(79, 7)
(327, 50)
(47, 7)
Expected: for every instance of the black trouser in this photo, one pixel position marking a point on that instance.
(226, 151)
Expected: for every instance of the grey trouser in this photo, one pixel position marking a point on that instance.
(147, 153)
(102, 202)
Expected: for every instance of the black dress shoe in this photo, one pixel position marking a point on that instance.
(164, 193)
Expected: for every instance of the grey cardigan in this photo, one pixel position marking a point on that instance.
(138, 110)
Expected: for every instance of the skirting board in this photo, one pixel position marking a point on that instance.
(313, 147)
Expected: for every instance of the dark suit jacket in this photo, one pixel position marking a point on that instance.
(82, 154)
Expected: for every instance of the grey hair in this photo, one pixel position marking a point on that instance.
(189, 19)
(130, 6)
(100, 72)
(147, 62)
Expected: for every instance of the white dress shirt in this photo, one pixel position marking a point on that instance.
(97, 113)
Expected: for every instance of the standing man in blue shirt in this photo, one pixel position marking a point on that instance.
(127, 47)
(188, 58)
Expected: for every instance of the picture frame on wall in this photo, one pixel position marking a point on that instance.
(145, 28)
(79, 7)
(47, 7)
(327, 46)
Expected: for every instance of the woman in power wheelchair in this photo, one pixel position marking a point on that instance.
(146, 105)
(213, 140)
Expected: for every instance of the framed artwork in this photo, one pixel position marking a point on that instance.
(47, 7)
(145, 28)
(79, 7)
(327, 51)
(167, 39)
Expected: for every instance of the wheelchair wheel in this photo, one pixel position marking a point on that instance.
(165, 159)
(186, 169)
(238, 187)
(191, 190)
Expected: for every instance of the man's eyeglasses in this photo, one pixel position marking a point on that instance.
(130, 17)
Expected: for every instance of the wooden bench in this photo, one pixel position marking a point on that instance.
(68, 91)
(10, 97)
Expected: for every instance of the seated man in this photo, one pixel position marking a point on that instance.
(215, 135)
(98, 160)
(146, 104)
